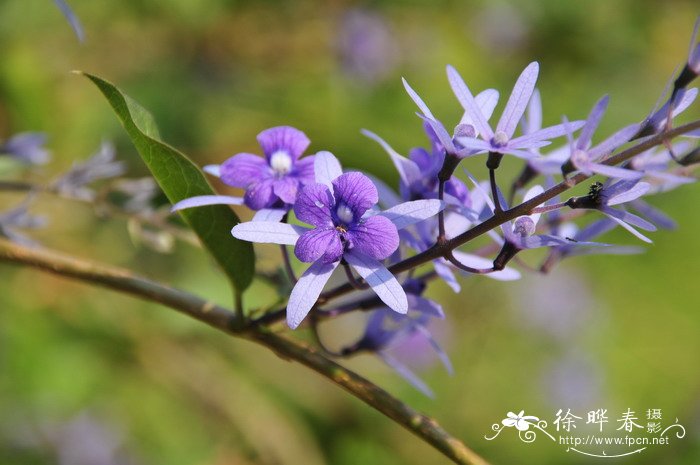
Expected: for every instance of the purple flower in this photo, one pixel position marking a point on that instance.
(338, 206)
(270, 183)
(387, 332)
(584, 158)
(659, 118)
(101, 165)
(27, 147)
(603, 197)
(486, 102)
(501, 140)
(654, 164)
(18, 218)
(72, 18)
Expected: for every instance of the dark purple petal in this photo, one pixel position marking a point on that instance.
(283, 139)
(260, 195)
(318, 244)
(286, 189)
(314, 205)
(376, 237)
(355, 191)
(244, 169)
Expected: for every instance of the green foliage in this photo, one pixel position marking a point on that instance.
(180, 178)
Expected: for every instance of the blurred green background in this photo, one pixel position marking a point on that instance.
(91, 377)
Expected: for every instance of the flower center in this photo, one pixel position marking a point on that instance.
(344, 213)
(579, 158)
(281, 162)
(500, 139)
(524, 226)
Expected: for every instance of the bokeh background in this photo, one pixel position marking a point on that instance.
(91, 377)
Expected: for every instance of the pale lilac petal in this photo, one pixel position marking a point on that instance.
(269, 214)
(544, 240)
(72, 19)
(436, 347)
(445, 273)
(243, 169)
(260, 195)
(655, 215)
(441, 133)
(387, 197)
(268, 232)
(614, 171)
(406, 374)
(319, 243)
(283, 139)
(214, 170)
(204, 200)
(425, 306)
(487, 101)
(327, 168)
(375, 237)
(523, 154)
(629, 194)
(408, 213)
(533, 192)
(382, 282)
(306, 291)
(474, 144)
(418, 101)
(592, 123)
(630, 229)
(466, 99)
(356, 191)
(518, 100)
(621, 137)
(630, 218)
(532, 121)
(481, 263)
(407, 169)
(551, 132)
(314, 205)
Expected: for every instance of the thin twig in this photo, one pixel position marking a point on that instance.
(426, 428)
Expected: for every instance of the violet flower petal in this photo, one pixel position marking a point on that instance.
(630, 218)
(356, 191)
(260, 195)
(317, 243)
(375, 237)
(475, 261)
(283, 139)
(306, 291)
(243, 169)
(314, 205)
(382, 282)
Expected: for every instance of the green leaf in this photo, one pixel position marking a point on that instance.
(180, 178)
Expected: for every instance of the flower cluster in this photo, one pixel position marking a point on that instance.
(379, 235)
